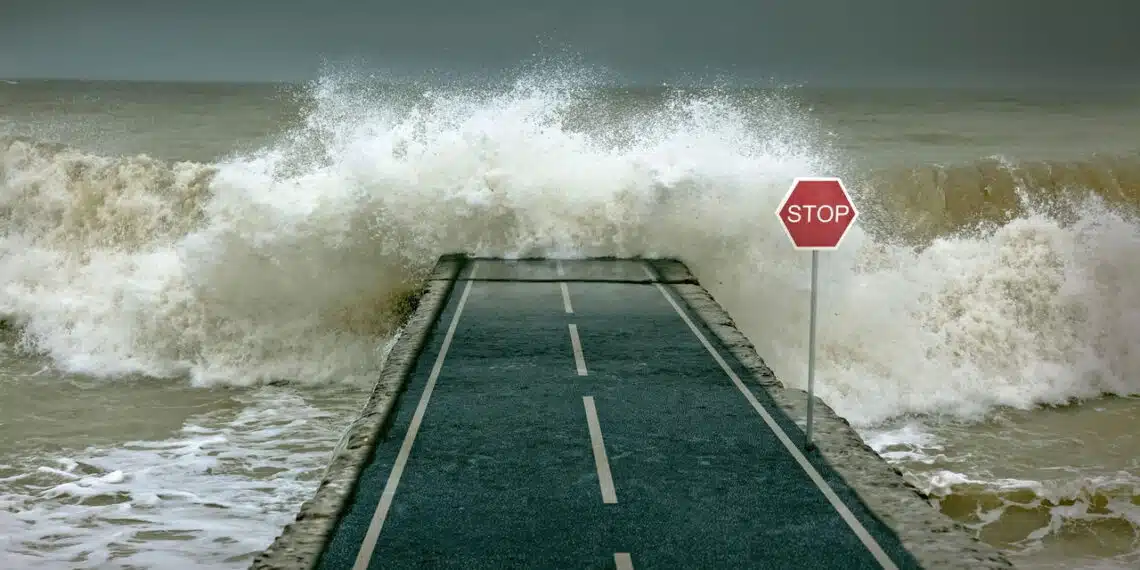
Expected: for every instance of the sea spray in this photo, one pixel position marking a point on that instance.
(259, 267)
(280, 265)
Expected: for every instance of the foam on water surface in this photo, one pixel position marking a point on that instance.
(285, 264)
(217, 491)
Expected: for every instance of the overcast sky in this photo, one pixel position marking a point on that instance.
(640, 40)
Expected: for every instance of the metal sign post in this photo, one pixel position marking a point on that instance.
(816, 214)
(808, 442)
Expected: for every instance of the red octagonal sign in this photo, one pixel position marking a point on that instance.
(817, 212)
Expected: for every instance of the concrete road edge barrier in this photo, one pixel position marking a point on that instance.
(934, 539)
(301, 543)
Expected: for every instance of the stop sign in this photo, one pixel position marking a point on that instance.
(817, 213)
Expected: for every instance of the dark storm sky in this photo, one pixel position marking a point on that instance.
(640, 40)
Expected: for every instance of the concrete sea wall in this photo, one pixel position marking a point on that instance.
(934, 539)
(300, 544)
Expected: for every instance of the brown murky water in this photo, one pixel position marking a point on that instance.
(196, 281)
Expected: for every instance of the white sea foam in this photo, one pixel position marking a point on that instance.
(252, 268)
(217, 492)
(274, 266)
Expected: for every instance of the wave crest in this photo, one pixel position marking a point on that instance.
(924, 202)
(282, 264)
(60, 197)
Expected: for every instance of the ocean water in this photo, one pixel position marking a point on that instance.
(199, 282)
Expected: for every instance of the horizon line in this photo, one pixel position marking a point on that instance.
(771, 83)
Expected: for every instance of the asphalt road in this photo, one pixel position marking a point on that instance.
(592, 424)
